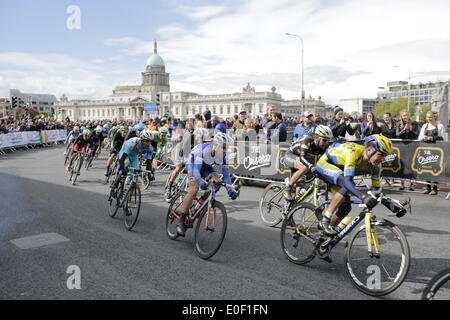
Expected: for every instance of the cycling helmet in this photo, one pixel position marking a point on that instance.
(379, 143)
(163, 130)
(146, 135)
(106, 127)
(76, 129)
(99, 129)
(221, 137)
(83, 128)
(140, 127)
(86, 132)
(324, 132)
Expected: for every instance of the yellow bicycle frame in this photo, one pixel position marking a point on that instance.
(371, 235)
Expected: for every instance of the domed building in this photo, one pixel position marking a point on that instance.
(154, 78)
(129, 102)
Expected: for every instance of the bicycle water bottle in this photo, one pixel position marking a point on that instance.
(344, 223)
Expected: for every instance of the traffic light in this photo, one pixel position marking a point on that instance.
(158, 100)
(14, 102)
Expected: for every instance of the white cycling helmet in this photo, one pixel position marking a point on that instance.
(146, 135)
(76, 129)
(324, 132)
(222, 138)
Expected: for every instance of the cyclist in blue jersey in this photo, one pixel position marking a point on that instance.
(71, 137)
(129, 156)
(202, 159)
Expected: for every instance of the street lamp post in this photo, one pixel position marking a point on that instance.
(303, 82)
(409, 84)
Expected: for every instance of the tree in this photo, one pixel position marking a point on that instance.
(394, 107)
(423, 112)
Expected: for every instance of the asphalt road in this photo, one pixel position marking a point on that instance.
(36, 198)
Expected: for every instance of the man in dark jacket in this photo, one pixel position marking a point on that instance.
(279, 133)
(339, 125)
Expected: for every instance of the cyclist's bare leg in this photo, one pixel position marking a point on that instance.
(74, 156)
(190, 196)
(178, 168)
(81, 159)
(111, 160)
(336, 202)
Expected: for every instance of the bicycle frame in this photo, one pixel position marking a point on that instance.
(196, 214)
(312, 188)
(134, 178)
(371, 234)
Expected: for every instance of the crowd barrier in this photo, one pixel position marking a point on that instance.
(29, 139)
(412, 160)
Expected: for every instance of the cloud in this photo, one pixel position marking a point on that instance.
(51, 73)
(201, 12)
(345, 54)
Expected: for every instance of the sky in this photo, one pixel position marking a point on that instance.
(350, 47)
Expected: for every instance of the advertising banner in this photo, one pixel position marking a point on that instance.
(410, 160)
(17, 139)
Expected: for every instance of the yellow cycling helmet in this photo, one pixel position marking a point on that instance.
(379, 143)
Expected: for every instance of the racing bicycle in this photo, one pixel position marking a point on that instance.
(128, 197)
(212, 220)
(377, 254)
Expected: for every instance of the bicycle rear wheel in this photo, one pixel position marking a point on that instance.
(439, 287)
(299, 233)
(114, 203)
(210, 230)
(75, 170)
(132, 207)
(373, 275)
(171, 220)
(271, 205)
(68, 156)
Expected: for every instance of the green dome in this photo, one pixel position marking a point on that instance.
(155, 60)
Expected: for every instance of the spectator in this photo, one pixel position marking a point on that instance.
(369, 126)
(248, 132)
(239, 124)
(407, 130)
(432, 132)
(279, 133)
(389, 126)
(339, 125)
(306, 128)
(266, 123)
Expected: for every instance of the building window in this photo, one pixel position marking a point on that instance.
(221, 109)
(103, 112)
(261, 108)
(214, 109)
(176, 111)
(228, 109)
(236, 110)
(84, 113)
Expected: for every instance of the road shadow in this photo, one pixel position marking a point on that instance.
(407, 230)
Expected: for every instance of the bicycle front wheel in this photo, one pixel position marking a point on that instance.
(439, 287)
(210, 230)
(378, 275)
(271, 205)
(299, 233)
(171, 220)
(132, 207)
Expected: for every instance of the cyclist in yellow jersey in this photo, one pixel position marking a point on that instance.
(340, 164)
